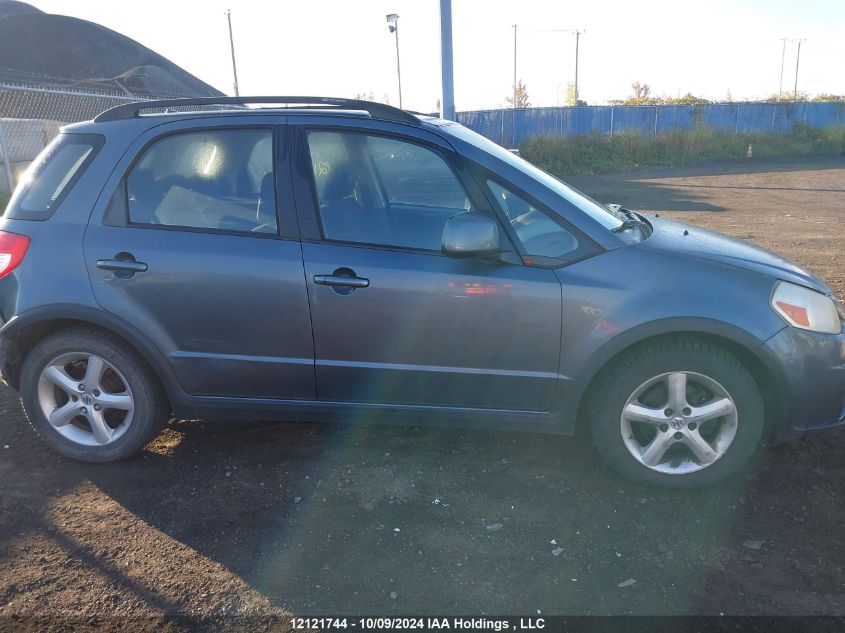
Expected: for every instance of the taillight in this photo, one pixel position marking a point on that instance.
(12, 250)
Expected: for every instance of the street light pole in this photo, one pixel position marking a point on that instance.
(393, 25)
(232, 46)
(447, 81)
(782, 62)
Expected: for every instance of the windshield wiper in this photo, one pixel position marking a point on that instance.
(627, 224)
(631, 220)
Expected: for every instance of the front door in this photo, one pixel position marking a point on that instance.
(395, 321)
(191, 251)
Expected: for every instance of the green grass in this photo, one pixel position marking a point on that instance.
(565, 156)
(4, 199)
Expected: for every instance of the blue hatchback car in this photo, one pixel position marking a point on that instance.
(339, 260)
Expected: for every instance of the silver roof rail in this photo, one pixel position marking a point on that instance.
(375, 110)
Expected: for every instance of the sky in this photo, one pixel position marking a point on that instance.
(712, 48)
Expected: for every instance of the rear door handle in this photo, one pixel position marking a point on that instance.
(121, 266)
(337, 280)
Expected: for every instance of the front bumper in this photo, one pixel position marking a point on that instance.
(812, 380)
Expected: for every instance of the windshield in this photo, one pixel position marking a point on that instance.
(599, 212)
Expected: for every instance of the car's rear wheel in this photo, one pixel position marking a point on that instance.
(90, 396)
(677, 413)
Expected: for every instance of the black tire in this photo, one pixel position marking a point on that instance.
(150, 403)
(620, 380)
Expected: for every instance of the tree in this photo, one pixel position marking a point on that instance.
(687, 99)
(829, 97)
(366, 96)
(641, 91)
(572, 96)
(785, 96)
(641, 95)
(521, 96)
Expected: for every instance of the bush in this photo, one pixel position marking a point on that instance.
(4, 200)
(564, 156)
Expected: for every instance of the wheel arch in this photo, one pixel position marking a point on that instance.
(20, 334)
(747, 348)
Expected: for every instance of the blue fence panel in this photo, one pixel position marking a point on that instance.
(671, 118)
(718, 116)
(511, 127)
(633, 119)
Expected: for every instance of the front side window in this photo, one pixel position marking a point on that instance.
(50, 175)
(540, 235)
(600, 213)
(377, 190)
(211, 179)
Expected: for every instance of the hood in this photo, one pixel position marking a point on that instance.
(670, 236)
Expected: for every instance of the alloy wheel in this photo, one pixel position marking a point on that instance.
(679, 422)
(85, 399)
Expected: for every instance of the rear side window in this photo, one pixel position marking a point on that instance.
(52, 175)
(212, 179)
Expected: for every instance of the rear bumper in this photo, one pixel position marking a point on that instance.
(812, 368)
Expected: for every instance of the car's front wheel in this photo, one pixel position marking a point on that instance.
(677, 413)
(90, 396)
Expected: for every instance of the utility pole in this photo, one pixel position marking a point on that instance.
(232, 46)
(578, 33)
(447, 81)
(797, 61)
(577, 38)
(514, 66)
(782, 61)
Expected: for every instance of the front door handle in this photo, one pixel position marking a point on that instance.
(338, 280)
(122, 266)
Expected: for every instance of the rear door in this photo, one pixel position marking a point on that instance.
(195, 243)
(395, 321)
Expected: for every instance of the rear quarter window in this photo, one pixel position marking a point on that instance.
(52, 175)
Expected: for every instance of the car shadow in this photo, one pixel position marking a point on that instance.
(327, 519)
(377, 519)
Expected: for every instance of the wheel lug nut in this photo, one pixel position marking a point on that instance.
(664, 427)
(96, 393)
(74, 398)
(668, 412)
(97, 407)
(81, 387)
(692, 426)
(686, 411)
(679, 435)
(83, 410)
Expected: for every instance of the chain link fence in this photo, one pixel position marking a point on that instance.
(31, 115)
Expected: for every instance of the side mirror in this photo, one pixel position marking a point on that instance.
(470, 235)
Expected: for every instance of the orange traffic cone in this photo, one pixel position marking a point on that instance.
(748, 153)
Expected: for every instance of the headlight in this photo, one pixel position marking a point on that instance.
(806, 309)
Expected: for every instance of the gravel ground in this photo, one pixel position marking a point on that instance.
(248, 519)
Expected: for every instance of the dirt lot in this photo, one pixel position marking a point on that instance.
(218, 520)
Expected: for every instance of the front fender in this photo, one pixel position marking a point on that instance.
(629, 295)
